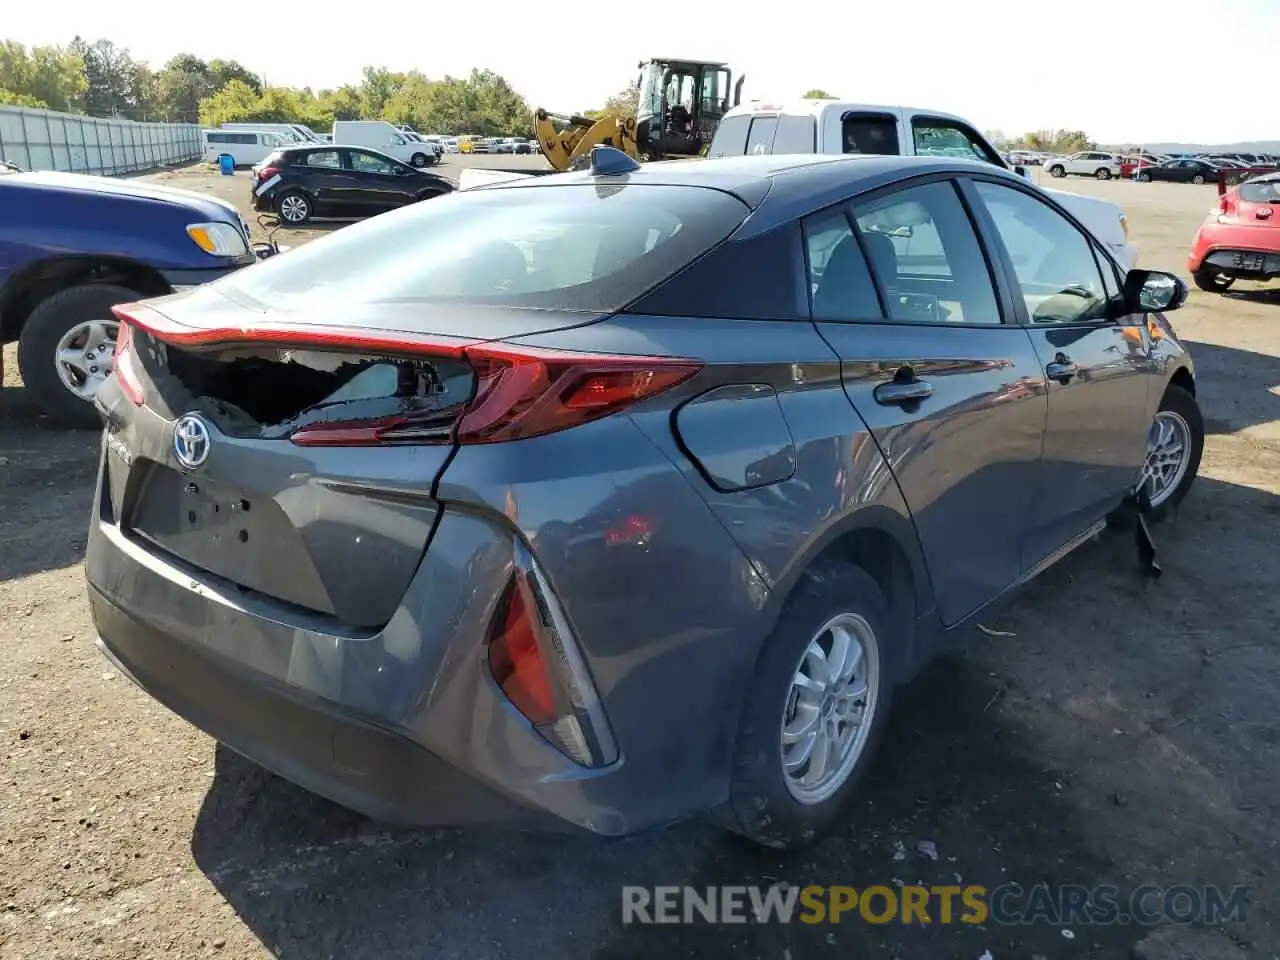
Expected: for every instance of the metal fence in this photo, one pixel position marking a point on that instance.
(44, 140)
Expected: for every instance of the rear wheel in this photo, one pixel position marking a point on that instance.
(1214, 281)
(1057, 170)
(1175, 444)
(67, 349)
(1198, 178)
(815, 711)
(1144, 177)
(294, 207)
(1103, 173)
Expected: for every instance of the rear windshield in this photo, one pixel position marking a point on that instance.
(1260, 191)
(562, 247)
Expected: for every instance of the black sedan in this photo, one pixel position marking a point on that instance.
(299, 183)
(1181, 171)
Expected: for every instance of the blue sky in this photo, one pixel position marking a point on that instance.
(1121, 71)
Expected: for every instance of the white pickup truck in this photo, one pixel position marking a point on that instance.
(834, 126)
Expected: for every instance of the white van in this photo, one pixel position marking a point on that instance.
(246, 146)
(384, 137)
(290, 131)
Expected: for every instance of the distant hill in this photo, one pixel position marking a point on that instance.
(1250, 146)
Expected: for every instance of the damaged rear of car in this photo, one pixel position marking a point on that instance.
(275, 552)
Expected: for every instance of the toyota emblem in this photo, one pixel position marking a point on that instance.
(191, 441)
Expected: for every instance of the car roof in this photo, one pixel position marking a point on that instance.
(778, 187)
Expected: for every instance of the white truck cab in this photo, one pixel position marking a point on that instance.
(835, 126)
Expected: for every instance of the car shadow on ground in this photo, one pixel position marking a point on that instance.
(1237, 388)
(957, 771)
(47, 472)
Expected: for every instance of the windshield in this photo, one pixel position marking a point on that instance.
(562, 247)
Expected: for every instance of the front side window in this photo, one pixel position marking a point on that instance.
(942, 138)
(1058, 275)
(563, 247)
(370, 163)
(926, 256)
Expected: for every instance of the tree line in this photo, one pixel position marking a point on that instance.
(102, 79)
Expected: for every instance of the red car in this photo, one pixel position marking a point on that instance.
(1241, 238)
(1130, 165)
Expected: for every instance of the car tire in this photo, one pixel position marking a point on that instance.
(1180, 409)
(1212, 281)
(1102, 173)
(294, 208)
(1198, 179)
(1057, 170)
(419, 160)
(429, 195)
(1144, 177)
(54, 320)
(762, 804)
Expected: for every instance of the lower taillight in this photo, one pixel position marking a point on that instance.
(125, 365)
(535, 661)
(266, 173)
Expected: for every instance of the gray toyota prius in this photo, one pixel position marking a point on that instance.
(602, 499)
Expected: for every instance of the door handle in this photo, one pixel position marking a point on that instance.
(1061, 370)
(902, 391)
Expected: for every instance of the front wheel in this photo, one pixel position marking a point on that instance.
(1057, 170)
(815, 710)
(1212, 281)
(67, 349)
(1103, 173)
(418, 160)
(1197, 179)
(1144, 177)
(1175, 444)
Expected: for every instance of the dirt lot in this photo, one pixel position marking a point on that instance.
(1112, 733)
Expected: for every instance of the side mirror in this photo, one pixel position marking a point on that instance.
(1153, 291)
(1022, 171)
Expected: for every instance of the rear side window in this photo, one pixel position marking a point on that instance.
(839, 280)
(872, 133)
(760, 139)
(565, 247)
(326, 159)
(730, 139)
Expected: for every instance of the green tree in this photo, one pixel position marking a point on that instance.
(342, 103)
(51, 75)
(236, 102)
(379, 85)
(11, 99)
(623, 104)
(817, 93)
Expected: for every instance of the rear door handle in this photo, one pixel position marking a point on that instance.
(902, 391)
(1061, 370)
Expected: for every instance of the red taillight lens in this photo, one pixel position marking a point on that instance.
(527, 394)
(266, 173)
(516, 660)
(125, 364)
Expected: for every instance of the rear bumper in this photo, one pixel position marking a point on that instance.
(358, 764)
(1246, 264)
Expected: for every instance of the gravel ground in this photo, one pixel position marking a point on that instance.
(1106, 732)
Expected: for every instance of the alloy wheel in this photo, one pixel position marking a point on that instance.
(828, 712)
(1168, 452)
(85, 356)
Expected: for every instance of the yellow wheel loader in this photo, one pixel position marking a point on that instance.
(679, 107)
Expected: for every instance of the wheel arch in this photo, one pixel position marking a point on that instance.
(882, 542)
(36, 281)
(1185, 379)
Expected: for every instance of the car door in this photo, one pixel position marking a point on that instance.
(377, 188)
(1098, 370)
(320, 173)
(953, 395)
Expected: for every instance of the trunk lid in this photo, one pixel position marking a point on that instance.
(205, 472)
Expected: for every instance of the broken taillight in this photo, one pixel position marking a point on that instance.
(125, 364)
(520, 391)
(517, 662)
